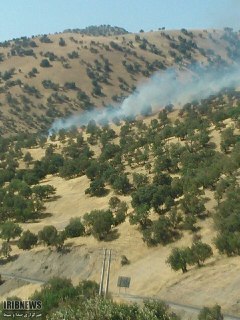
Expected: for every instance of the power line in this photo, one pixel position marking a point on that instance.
(101, 287)
(108, 274)
(103, 272)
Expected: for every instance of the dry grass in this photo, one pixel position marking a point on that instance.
(76, 72)
(148, 269)
(150, 274)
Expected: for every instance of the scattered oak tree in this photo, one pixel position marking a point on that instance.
(197, 254)
(99, 223)
(179, 258)
(75, 228)
(200, 252)
(48, 235)
(211, 313)
(27, 240)
(10, 230)
(6, 249)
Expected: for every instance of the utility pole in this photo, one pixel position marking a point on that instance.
(103, 271)
(108, 274)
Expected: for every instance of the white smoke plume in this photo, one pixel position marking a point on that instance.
(171, 86)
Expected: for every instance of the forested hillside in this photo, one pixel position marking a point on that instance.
(164, 182)
(52, 76)
(160, 190)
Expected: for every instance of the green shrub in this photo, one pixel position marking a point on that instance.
(27, 240)
(10, 230)
(62, 42)
(99, 223)
(212, 313)
(45, 63)
(75, 228)
(48, 235)
(124, 261)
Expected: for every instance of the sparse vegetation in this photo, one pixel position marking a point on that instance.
(99, 223)
(75, 228)
(138, 57)
(45, 63)
(62, 42)
(51, 237)
(211, 313)
(27, 240)
(162, 178)
(45, 39)
(102, 30)
(5, 249)
(197, 254)
(10, 230)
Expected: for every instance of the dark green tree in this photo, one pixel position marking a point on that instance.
(139, 180)
(59, 241)
(27, 240)
(75, 228)
(200, 252)
(48, 235)
(10, 230)
(193, 204)
(28, 157)
(114, 202)
(140, 216)
(211, 313)
(120, 213)
(97, 188)
(228, 243)
(43, 192)
(45, 63)
(179, 258)
(99, 223)
(162, 231)
(62, 42)
(228, 139)
(121, 184)
(6, 249)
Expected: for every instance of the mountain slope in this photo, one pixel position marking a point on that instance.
(46, 77)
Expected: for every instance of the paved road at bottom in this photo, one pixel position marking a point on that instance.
(179, 306)
(13, 276)
(134, 298)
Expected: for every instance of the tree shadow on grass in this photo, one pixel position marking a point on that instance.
(53, 198)
(69, 245)
(13, 242)
(104, 193)
(40, 216)
(112, 235)
(8, 259)
(43, 215)
(64, 250)
(204, 215)
(177, 235)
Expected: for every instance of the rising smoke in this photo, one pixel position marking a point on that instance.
(171, 86)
